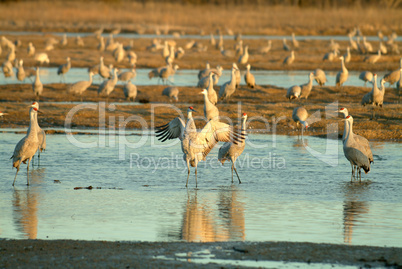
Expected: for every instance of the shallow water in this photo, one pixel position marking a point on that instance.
(139, 192)
(190, 77)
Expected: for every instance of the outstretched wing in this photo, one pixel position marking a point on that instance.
(216, 131)
(171, 130)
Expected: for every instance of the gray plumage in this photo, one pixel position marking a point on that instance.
(372, 59)
(20, 71)
(81, 86)
(330, 56)
(293, 92)
(289, 59)
(104, 71)
(393, 76)
(299, 116)
(196, 145)
(27, 146)
(353, 151)
(366, 76)
(37, 86)
(306, 88)
(64, 68)
(342, 75)
(285, 45)
(107, 87)
(30, 49)
(243, 59)
(211, 112)
(41, 58)
(8, 69)
(319, 76)
(171, 92)
(347, 56)
(208, 82)
(168, 71)
(41, 133)
(229, 87)
(237, 74)
(204, 72)
(227, 53)
(359, 139)
(127, 75)
(230, 151)
(376, 96)
(130, 91)
(249, 78)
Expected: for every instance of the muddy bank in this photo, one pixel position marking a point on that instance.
(267, 108)
(102, 254)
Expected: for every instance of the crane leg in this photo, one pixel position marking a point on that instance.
(18, 169)
(38, 158)
(236, 174)
(29, 160)
(188, 173)
(232, 171)
(196, 177)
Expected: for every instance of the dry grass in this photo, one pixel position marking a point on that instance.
(64, 15)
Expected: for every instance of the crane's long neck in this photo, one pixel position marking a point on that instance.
(37, 79)
(90, 78)
(243, 125)
(33, 123)
(344, 67)
(375, 87)
(233, 78)
(349, 131)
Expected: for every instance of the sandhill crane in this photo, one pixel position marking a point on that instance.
(249, 78)
(352, 43)
(2, 114)
(366, 76)
(285, 46)
(359, 139)
(393, 76)
(229, 87)
(230, 151)
(204, 72)
(101, 44)
(79, 42)
(334, 46)
(27, 146)
(20, 71)
(104, 71)
(30, 49)
(293, 92)
(266, 49)
(330, 56)
(372, 59)
(98, 32)
(168, 71)
(128, 75)
(154, 73)
(208, 82)
(212, 40)
(342, 75)
(219, 44)
(239, 48)
(294, 41)
(41, 134)
(179, 53)
(130, 91)
(375, 97)
(170, 58)
(243, 59)
(37, 86)
(353, 151)
(107, 87)
(367, 46)
(211, 112)
(171, 92)
(8, 69)
(383, 48)
(196, 145)
(64, 41)
(110, 43)
(299, 116)
(41, 58)
(81, 86)
(63, 69)
(399, 85)
(237, 75)
(226, 53)
(319, 76)
(119, 53)
(289, 59)
(132, 58)
(306, 88)
(347, 56)
(165, 50)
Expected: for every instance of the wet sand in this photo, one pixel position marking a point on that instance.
(103, 254)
